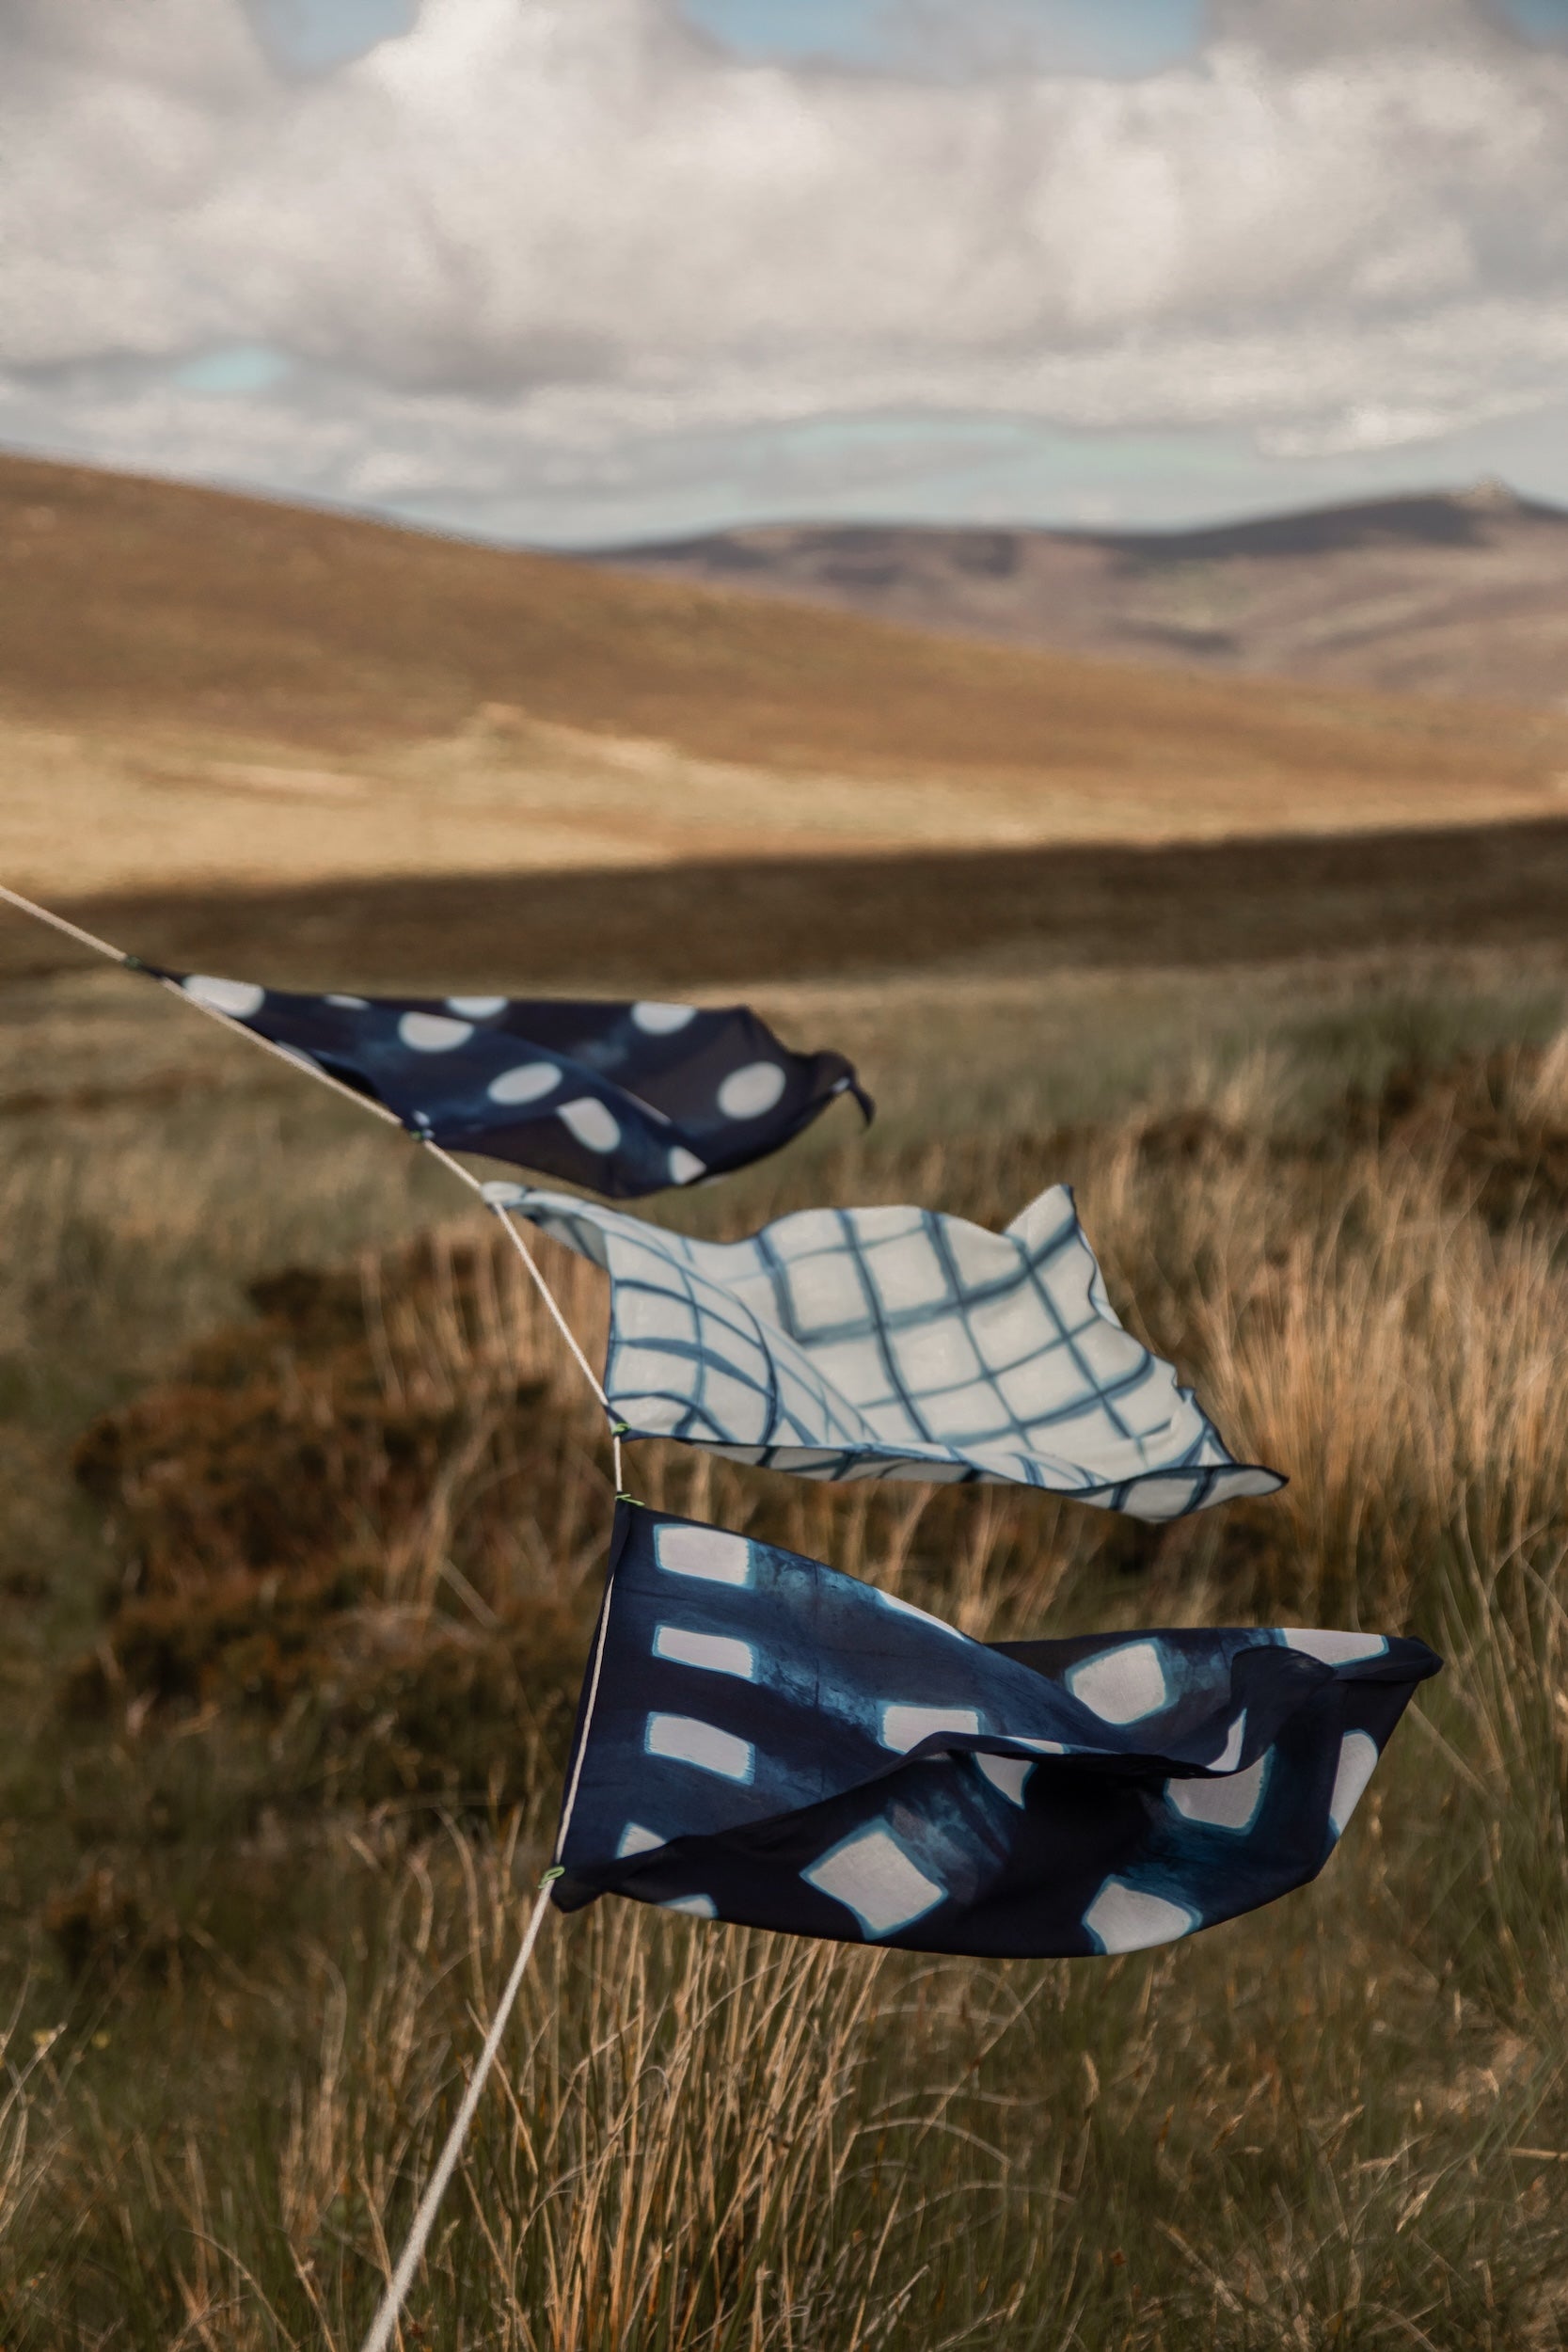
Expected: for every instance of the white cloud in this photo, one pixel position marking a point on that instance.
(538, 234)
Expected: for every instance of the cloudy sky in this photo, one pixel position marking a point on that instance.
(579, 271)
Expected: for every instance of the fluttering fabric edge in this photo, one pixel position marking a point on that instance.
(897, 1342)
(778, 1745)
(624, 1098)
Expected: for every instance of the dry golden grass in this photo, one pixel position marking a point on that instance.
(1342, 2122)
(200, 689)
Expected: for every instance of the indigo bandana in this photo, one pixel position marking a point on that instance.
(892, 1343)
(782, 1747)
(624, 1099)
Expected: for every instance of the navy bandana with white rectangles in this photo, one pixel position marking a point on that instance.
(626, 1099)
(782, 1747)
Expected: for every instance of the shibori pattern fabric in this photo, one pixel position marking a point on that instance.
(623, 1098)
(778, 1746)
(897, 1342)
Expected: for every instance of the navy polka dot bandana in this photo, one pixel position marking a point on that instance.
(624, 1099)
(778, 1746)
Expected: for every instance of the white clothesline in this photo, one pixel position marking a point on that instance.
(385, 2323)
(360, 1101)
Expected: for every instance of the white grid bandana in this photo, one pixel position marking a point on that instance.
(897, 1342)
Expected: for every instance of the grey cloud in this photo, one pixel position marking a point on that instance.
(551, 230)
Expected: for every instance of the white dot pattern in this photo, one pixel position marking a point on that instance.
(433, 1032)
(657, 1020)
(529, 1082)
(592, 1124)
(748, 1093)
(623, 1099)
(238, 999)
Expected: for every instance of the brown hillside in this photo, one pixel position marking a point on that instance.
(196, 688)
(151, 598)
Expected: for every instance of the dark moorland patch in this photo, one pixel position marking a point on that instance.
(1179, 907)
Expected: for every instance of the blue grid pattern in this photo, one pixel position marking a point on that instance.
(897, 1342)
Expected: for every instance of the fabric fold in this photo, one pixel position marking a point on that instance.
(897, 1342)
(780, 1745)
(626, 1099)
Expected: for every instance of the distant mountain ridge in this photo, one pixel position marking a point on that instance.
(1453, 593)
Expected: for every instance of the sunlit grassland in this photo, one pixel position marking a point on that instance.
(252, 1933)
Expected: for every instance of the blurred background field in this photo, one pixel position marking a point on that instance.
(227, 692)
(303, 1513)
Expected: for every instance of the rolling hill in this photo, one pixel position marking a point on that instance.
(1461, 595)
(199, 691)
